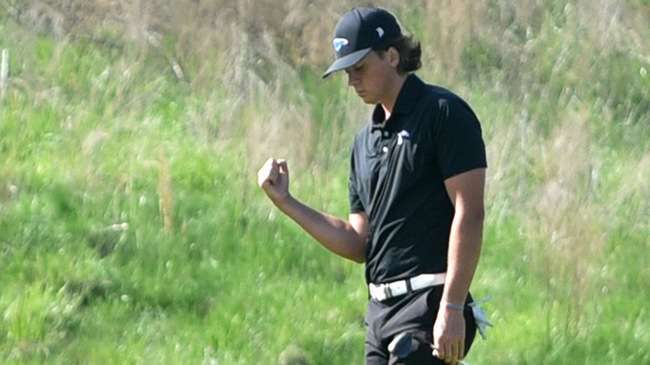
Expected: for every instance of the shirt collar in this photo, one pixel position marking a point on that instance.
(406, 100)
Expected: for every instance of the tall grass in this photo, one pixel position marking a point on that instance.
(131, 229)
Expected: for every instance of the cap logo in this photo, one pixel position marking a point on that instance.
(380, 32)
(339, 43)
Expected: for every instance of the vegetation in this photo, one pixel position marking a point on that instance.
(132, 230)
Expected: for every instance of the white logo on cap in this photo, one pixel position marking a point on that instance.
(380, 32)
(339, 43)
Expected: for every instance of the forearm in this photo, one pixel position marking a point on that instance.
(333, 233)
(464, 250)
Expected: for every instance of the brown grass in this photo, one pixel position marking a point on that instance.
(566, 225)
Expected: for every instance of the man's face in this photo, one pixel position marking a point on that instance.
(369, 77)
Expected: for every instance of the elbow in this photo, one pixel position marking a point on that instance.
(479, 216)
(473, 217)
(359, 259)
(359, 255)
(358, 243)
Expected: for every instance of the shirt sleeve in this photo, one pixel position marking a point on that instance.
(356, 206)
(458, 139)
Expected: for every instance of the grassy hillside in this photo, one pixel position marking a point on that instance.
(132, 230)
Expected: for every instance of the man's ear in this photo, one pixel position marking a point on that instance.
(393, 56)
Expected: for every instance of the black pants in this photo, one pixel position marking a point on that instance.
(414, 313)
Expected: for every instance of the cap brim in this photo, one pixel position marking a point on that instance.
(347, 61)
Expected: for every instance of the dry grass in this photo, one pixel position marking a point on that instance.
(566, 225)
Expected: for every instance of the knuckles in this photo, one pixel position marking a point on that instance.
(270, 172)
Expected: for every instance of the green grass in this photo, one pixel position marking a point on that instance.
(101, 144)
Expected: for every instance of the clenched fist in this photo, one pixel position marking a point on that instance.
(273, 178)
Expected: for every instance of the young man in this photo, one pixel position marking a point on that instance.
(416, 197)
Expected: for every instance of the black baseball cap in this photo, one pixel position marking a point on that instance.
(359, 31)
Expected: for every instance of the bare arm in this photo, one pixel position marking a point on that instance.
(466, 193)
(344, 238)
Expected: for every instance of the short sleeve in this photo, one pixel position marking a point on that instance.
(460, 146)
(356, 206)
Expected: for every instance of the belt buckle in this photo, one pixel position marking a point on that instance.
(388, 293)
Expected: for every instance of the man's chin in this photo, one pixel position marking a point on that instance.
(367, 100)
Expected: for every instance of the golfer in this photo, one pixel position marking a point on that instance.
(417, 173)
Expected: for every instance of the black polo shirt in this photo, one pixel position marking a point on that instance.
(397, 172)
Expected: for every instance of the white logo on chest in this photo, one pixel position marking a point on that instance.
(401, 136)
